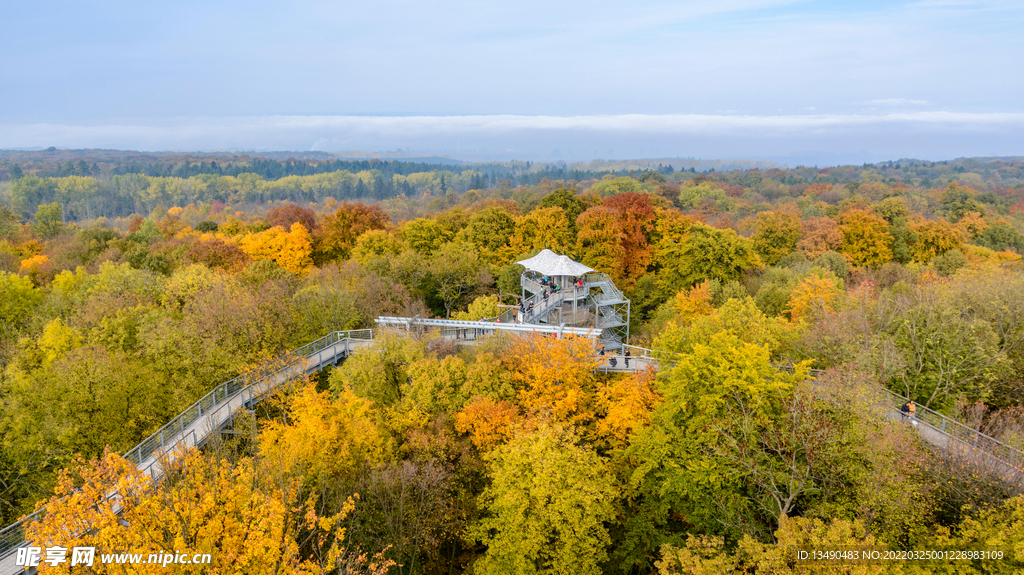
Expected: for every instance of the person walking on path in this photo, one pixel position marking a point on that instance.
(908, 411)
(626, 357)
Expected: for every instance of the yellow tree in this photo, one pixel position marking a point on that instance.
(546, 507)
(866, 241)
(249, 517)
(935, 238)
(973, 225)
(485, 306)
(814, 295)
(292, 249)
(324, 436)
(542, 228)
(776, 236)
(376, 243)
(694, 302)
(626, 405)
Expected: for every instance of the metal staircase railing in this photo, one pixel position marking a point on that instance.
(603, 282)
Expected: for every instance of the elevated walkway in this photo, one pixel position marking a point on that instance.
(206, 417)
(457, 329)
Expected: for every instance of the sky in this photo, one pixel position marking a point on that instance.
(797, 82)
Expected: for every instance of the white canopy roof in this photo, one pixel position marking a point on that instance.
(549, 263)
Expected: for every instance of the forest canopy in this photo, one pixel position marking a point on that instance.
(130, 290)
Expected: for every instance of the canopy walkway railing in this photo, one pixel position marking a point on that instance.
(951, 430)
(248, 388)
(964, 434)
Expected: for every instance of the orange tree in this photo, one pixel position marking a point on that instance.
(336, 235)
(555, 377)
(636, 220)
(819, 235)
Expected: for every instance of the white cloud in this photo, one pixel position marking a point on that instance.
(879, 136)
(273, 131)
(898, 102)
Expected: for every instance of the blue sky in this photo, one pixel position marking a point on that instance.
(769, 79)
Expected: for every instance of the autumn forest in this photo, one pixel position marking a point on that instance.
(782, 303)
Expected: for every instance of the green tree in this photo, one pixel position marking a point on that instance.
(546, 507)
(488, 230)
(1000, 236)
(425, 235)
(705, 253)
(8, 222)
(610, 186)
(82, 399)
(677, 474)
(458, 272)
(435, 386)
(379, 374)
(948, 353)
(49, 220)
(958, 201)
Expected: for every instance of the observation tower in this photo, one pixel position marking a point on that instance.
(576, 296)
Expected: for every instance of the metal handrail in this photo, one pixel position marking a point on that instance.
(965, 434)
(229, 389)
(1004, 453)
(603, 282)
(13, 534)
